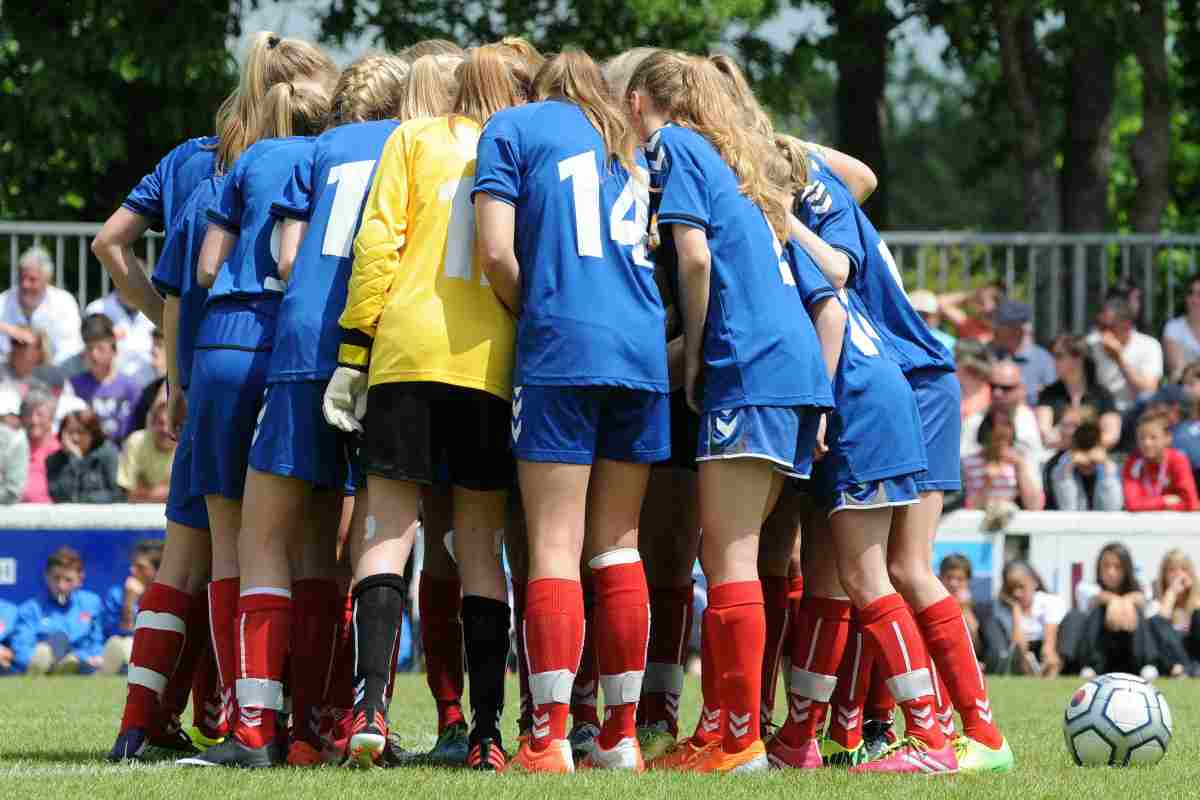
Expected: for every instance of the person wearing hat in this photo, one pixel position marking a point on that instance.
(1012, 341)
(925, 303)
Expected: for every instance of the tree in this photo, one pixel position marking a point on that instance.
(1151, 150)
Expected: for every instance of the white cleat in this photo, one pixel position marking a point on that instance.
(626, 755)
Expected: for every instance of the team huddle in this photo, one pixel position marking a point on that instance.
(604, 320)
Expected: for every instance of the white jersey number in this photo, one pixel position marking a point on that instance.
(460, 238)
(785, 271)
(862, 334)
(585, 187)
(892, 268)
(352, 179)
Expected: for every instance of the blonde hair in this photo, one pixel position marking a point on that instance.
(525, 50)
(292, 110)
(270, 60)
(794, 158)
(743, 95)
(431, 47)
(369, 89)
(691, 92)
(619, 69)
(1178, 558)
(574, 76)
(492, 77)
(432, 86)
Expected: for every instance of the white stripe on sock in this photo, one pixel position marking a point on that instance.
(613, 558)
(160, 621)
(274, 591)
(141, 676)
(260, 693)
(903, 647)
(812, 648)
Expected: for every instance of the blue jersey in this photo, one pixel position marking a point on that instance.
(160, 195)
(328, 188)
(827, 206)
(114, 605)
(256, 181)
(759, 345)
(591, 312)
(175, 272)
(79, 619)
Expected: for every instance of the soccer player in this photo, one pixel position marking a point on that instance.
(164, 655)
(232, 352)
(428, 347)
(752, 367)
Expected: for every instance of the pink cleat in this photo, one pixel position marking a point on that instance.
(912, 757)
(782, 756)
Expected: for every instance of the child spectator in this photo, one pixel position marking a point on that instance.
(1021, 632)
(1174, 612)
(1000, 474)
(58, 631)
(955, 574)
(1086, 479)
(85, 469)
(121, 605)
(1158, 477)
(37, 418)
(14, 465)
(8, 624)
(144, 471)
(1185, 437)
(153, 392)
(133, 330)
(111, 395)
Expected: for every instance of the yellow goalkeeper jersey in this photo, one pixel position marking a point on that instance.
(417, 287)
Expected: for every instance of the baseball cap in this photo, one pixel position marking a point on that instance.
(1012, 312)
(923, 301)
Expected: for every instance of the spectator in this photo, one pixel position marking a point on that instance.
(1107, 632)
(1071, 419)
(955, 574)
(1000, 473)
(974, 369)
(85, 469)
(1086, 479)
(132, 328)
(1076, 386)
(8, 623)
(121, 605)
(1158, 477)
(29, 361)
(1021, 629)
(1177, 601)
(1125, 289)
(34, 303)
(58, 631)
(982, 300)
(37, 418)
(1185, 436)
(1011, 341)
(925, 303)
(1129, 364)
(14, 465)
(10, 405)
(111, 395)
(1181, 336)
(144, 471)
(150, 395)
(1008, 394)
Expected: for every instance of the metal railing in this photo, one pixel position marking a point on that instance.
(1063, 276)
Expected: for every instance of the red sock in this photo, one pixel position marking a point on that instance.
(525, 720)
(795, 595)
(439, 601)
(776, 606)
(222, 622)
(949, 642)
(853, 677)
(583, 693)
(315, 616)
(158, 639)
(880, 705)
(670, 627)
(622, 631)
(708, 727)
(208, 710)
(553, 640)
(740, 630)
(339, 694)
(943, 708)
(821, 632)
(264, 634)
(897, 647)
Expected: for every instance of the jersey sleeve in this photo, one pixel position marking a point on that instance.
(684, 198)
(227, 211)
(377, 247)
(146, 199)
(168, 270)
(296, 199)
(832, 211)
(497, 163)
(810, 281)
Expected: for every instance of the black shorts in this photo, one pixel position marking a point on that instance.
(685, 431)
(435, 433)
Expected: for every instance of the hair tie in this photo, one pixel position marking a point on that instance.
(273, 42)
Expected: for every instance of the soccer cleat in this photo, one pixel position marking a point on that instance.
(684, 756)
(452, 746)
(130, 746)
(200, 741)
(303, 754)
(836, 755)
(336, 728)
(878, 737)
(582, 738)
(174, 740)
(369, 738)
(975, 756)
(784, 756)
(232, 753)
(487, 756)
(911, 756)
(751, 759)
(655, 740)
(625, 754)
(554, 760)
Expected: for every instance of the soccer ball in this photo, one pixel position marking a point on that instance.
(1117, 720)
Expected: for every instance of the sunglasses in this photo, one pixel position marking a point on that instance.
(1005, 387)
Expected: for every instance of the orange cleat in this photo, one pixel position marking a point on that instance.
(554, 760)
(752, 759)
(684, 755)
(303, 754)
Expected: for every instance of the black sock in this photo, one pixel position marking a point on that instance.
(378, 604)
(485, 633)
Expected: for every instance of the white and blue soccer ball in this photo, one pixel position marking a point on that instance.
(1117, 720)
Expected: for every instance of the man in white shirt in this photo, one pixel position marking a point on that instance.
(1008, 394)
(1129, 364)
(34, 303)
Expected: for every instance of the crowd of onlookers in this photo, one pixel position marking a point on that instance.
(83, 413)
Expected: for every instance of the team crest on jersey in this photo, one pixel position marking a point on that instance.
(517, 403)
(725, 427)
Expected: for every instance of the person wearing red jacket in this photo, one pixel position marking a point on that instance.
(1158, 477)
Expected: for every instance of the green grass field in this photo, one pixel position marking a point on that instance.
(54, 733)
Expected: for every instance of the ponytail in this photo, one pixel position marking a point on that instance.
(492, 77)
(431, 88)
(292, 110)
(369, 89)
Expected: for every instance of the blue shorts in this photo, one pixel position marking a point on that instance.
(226, 396)
(783, 435)
(184, 507)
(578, 424)
(293, 440)
(883, 493)
(939, 400)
